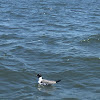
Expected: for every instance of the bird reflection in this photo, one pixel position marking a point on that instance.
(45, 88)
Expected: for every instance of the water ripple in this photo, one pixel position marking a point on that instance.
(58, 39)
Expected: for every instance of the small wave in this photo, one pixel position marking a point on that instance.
(10, 36)
(70, 98)
(91, 39)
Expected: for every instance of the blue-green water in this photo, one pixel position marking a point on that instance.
(59, 39)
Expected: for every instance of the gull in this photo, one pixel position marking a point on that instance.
(42, 81)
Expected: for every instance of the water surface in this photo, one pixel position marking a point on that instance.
(59, 39)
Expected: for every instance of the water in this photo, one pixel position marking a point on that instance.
(59, 39)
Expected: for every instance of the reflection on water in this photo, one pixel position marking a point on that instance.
(46, 88)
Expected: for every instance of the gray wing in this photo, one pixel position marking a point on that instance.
(48, 82)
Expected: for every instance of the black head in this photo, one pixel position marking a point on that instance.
(38, 75)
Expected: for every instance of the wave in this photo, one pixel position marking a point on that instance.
(91, 39)
(10, 36)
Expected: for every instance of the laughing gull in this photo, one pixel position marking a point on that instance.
(42, 81)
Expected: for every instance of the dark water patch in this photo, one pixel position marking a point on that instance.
(70, 75)
(49, 40)
(10, 61)
(97, 91)
(10, 36)
(90, 59)
(7, 44)
(2, 53)
(8, 27)
(90, 45)
(91, 84)
(55, 25)
(92, 39)
(96, 23)
(69, 98)
(27, 52)
(79, 85)
(15, 50)
(18, 78)
(56, 40)
(18, 13)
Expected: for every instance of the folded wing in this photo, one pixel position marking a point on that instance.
(48, 82)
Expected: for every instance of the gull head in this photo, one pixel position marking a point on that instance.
(38, 75)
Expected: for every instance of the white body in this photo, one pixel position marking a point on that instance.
(45, 82)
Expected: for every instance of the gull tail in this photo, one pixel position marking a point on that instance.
(58, 81)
